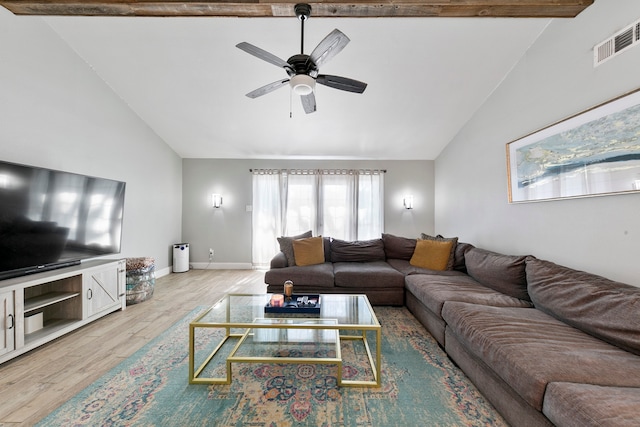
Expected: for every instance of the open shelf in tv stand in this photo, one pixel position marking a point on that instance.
(67, 299)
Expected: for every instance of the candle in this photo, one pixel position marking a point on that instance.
(277, 300)
(288, 288)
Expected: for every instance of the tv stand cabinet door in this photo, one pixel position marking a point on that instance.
(7, 322)
(101, 290)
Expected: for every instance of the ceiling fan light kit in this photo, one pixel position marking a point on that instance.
(303, 70)
(302, 84)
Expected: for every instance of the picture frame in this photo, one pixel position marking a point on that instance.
(593, 153)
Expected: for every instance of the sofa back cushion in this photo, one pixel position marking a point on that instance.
(600, 307)
(503, 273)
(458, 258)
(357, 251)
(398, 247)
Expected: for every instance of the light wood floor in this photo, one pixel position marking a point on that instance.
(36, 383)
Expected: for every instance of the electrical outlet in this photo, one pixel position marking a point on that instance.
(210, 254)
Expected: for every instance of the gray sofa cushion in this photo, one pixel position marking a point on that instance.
(601, 307)
(369, 275)
(433, 290)
(587, 405)
(398, 247)
(406, 268)
(358, 251)
(529, 349)
(309, 275)
(286, 246)
(504, 273)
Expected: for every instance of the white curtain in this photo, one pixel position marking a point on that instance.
(299, 190)
(267, 216)
(338, 210)
(370, 205)
(343, 204)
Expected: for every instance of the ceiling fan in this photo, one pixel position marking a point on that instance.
(303, 70)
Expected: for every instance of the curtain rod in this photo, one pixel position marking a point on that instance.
(379, 170)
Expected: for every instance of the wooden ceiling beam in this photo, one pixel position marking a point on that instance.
(329, 9)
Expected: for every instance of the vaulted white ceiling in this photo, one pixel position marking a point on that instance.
(186, 79)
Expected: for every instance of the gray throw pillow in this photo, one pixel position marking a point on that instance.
(286, 246)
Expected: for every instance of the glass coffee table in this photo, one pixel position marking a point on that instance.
(241, 332)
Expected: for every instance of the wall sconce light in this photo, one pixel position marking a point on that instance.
(408, 201)
(217, 200)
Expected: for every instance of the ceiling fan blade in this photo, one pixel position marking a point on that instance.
(342, 83)
(262, 54)
(329, 47)
(267, 88)
(308, 103)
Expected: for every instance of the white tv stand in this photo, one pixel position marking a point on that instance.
(65, 299)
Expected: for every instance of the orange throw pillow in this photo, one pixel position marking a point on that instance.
(431, 254)
(308, 251)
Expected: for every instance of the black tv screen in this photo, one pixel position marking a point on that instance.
(51, 219)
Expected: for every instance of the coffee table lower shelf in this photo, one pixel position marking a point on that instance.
(257, 332)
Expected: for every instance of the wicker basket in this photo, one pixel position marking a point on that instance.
(141, 279)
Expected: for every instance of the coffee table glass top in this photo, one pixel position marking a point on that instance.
(241, 310)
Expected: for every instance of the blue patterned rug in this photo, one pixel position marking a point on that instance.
(420, 386)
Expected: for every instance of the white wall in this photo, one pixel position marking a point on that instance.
(228, 230)
(56, 113)
(554, 80)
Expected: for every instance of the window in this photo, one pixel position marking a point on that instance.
(343, 204)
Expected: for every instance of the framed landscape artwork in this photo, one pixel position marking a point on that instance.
(594, 153)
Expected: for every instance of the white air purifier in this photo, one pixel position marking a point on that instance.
(180, 257)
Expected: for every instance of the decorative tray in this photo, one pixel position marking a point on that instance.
(297, 304)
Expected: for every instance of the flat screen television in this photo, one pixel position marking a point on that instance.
(51, 219)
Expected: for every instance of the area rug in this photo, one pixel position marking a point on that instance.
(420, 387)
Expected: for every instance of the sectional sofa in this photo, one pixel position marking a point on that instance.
(545, 344)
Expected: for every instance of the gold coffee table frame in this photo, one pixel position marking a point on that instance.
(359, 318)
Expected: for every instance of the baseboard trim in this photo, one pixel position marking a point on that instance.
(163, 272)
(221, 265)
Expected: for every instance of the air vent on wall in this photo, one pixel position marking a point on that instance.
(616, 44)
